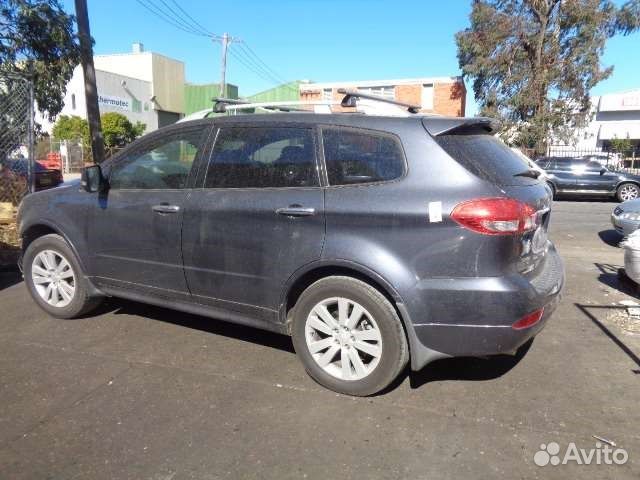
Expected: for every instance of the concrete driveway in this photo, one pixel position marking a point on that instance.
(139, 392)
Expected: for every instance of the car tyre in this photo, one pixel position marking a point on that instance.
(55, 280)
(627, 191)
(360, 348)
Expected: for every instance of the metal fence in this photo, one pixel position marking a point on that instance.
(16, 157)
(628, 160)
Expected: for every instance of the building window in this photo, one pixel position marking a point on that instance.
(388, 92)
(73, 101)
(327, 95)
(427, 97)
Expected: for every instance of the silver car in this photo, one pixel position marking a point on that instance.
(625, 218)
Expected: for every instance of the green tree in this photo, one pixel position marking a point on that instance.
(621, 145)
(118, 130)
(534, 62)
(71, 128)
(37, 37)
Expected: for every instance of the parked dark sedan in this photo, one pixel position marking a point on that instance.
(583, 178)
(45, 177)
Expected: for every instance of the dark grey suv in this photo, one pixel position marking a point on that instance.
(372, 241)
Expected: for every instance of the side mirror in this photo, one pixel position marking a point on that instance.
(603, 171)
(92, 179)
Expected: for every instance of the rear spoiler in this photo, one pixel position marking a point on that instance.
(460, 126)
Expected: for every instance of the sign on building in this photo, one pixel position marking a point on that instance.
(115, 102)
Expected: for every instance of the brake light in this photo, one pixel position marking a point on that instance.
(496, 216)
(528, 320)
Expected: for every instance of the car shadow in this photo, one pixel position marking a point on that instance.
(197, 322)
(610, 237)
(585, 309)
(612, 277)
(468, 368)
(9, 277)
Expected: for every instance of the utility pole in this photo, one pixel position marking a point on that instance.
(223, 63)
(90, 90)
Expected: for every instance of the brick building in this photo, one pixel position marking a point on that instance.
(440, 95)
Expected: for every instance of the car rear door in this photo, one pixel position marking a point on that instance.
(258, 217)
(135, 228)
(562, 174)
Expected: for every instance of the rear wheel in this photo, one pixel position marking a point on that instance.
(627, 191)
(349, 336)
(54, 279)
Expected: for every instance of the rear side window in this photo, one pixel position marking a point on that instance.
(258, 157)
(486, 157)
(361, 157)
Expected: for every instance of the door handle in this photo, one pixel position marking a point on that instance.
(165, 208)
(296, 211)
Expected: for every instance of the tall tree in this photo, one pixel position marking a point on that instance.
(37, 36)
(534, 62)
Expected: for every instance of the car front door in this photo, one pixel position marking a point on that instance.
(258, 218)
(562, 174)
(595, 178)
(135, 227)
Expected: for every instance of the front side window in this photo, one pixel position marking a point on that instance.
(361, 157)
(164, 164)
(262, 157)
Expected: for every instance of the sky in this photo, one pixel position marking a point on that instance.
(318, 40)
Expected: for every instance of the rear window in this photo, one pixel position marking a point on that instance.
(354, 156)
(486, 157)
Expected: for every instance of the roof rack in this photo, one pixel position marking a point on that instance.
(222, 105)
(350, 97)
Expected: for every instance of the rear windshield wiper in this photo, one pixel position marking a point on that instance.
(531, 173)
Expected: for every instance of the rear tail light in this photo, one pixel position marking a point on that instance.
(496, 216)
(528, 320)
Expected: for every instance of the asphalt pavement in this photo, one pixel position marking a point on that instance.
(139, 392)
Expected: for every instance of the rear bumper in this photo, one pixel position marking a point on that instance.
(473, 316)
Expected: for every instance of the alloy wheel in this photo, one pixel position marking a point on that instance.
(343, 338)
(628, 192)
(53, 278)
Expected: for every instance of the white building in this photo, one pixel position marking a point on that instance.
(615, 115)
(144, 86)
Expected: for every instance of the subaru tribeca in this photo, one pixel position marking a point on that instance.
(372, 241)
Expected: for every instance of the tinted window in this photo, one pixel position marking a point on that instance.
(593, 167)
(361, 157)
(247, 157)
(165, 163)
(487, 157)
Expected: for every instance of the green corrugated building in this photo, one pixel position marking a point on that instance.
(282, 93)
(198, 97)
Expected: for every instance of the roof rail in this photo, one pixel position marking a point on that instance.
(222, 105)
(350, 97)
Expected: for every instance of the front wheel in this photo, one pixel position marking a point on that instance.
(54, 279)
(627, 191)
(348, 336)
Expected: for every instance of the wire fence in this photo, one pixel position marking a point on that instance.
(627, 160)
(16, 157)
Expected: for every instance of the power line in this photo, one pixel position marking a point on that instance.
(179, 18)
(193, 20)
(151, 7)
(253, 54)
(242, 56)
